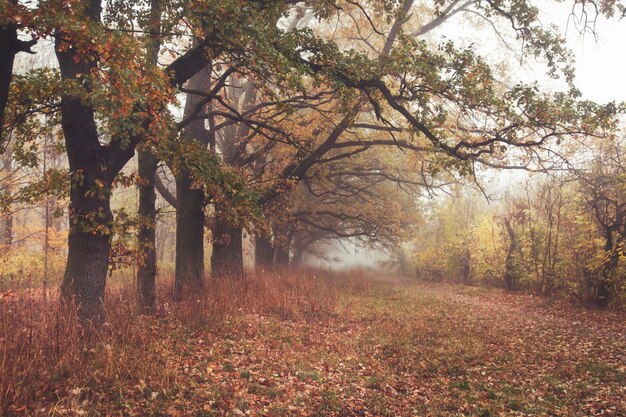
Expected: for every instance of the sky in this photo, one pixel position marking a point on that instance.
(600, 59)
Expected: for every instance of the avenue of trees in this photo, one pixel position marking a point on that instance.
(287, 125)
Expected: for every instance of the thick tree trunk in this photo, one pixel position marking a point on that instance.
(189, 237)
(90, 216)
(603, 288)
(300, 246)
(146, 233)
(263, 252)
(89, 244)
(281, 256)
(92, 174)
(227, 256)
(8, 37)
(190, 201)
(298, 257)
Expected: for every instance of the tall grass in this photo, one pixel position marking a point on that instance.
(49, 363)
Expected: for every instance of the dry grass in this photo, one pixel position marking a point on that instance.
(50, 366)
(311, 344)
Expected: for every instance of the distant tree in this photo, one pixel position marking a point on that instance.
(603, 188)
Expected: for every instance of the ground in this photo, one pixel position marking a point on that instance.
(385, 349)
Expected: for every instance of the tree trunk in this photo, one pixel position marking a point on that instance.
(466, 275)
(227, 256)
(189, 236)
(10, 45)
(92, 169)
(298, 257)
(8, 231)
(190, 201)
(300, 246)
(263, 252)
(146, 233)
(7, 220)
(147, 166)
(510, 272)
(281, 256)
(603, 289)
(89, 244)
(282, 244)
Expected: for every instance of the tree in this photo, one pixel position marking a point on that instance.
(80, 37)
(146, 170)
(190, 198)
(603, 187)
(439, 100)
(12, 15)
(371, 198)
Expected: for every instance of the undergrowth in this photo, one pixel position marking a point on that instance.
(46, 353)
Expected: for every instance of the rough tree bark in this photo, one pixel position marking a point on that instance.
(189, 275)
(89, 240)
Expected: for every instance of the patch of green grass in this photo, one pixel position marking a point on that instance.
(461, 384)
(514, 404)
(266, 391)
(329, 402)
(602, 372)
(374, 383)
(483, 412)
(308, 374)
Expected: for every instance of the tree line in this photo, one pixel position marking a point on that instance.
(298, 122)
(553, 235)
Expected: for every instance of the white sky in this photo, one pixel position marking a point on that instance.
(600, 60)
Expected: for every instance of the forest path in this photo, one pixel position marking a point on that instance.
(401, 348)
(548, 313)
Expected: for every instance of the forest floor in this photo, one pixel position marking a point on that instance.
(388, 348)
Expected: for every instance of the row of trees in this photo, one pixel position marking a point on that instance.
(297, 121)
(563, 234)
